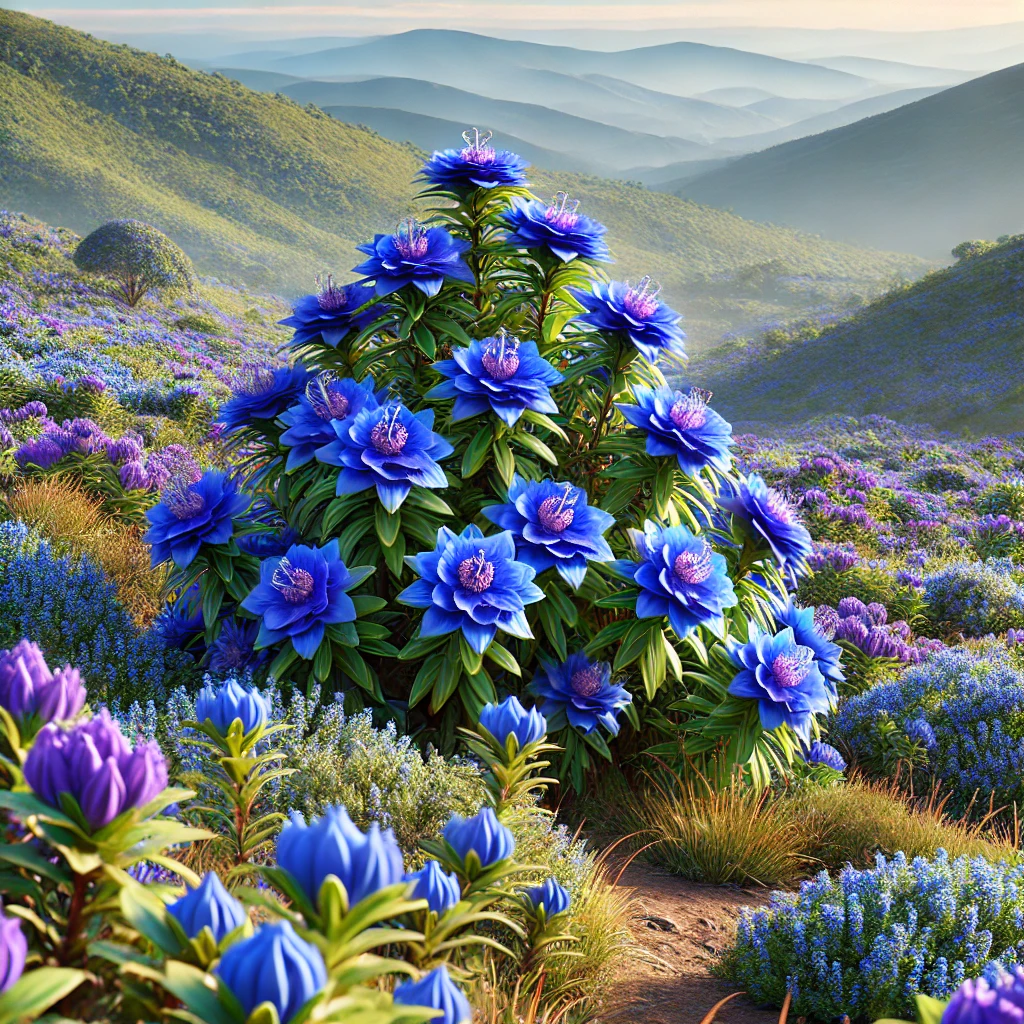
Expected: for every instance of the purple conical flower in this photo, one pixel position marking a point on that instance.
(28, 687)
(13, 951)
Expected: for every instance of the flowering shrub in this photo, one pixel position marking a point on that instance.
(976, 597)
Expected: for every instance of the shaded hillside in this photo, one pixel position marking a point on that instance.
(947, 350)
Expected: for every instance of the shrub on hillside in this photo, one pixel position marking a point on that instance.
(975, 598)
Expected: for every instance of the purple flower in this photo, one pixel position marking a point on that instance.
(770, 518)
(558, 227)
(473, 583)
(441, 891)
(192, 514)
(681, 425)
(28, 687)
(500, 375)
(476, 165)
(43, 452)
(416, 255)
(437, 991)
(13, 950)
(581, 692)
(550, 897)
(782, 676)
(332, 313)
(300, 594)
(481, 836)
(133, 476)
(230, 701)
(823, 753)
(554, 526)
(210, 906)
(389, 448)
(510, 718)
(979, 1002)
(261, 393)
(650, 325)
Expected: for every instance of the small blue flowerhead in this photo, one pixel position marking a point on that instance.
(441, 891)
(416, 255)
(482, 835)
(551, 897)
(814, 630)
(332, 313)
(476, 165)
(650, 325)
(826, 754)
(581, 692)
(771, 519)
(210, 906)
(557, 226)
(261, 393)
(221, 705)
(510, 718)
(439, 992)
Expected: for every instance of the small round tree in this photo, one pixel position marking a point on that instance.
(135, 255)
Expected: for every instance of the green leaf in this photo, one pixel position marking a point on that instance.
(36, 991)
(633, 644)
(425, 679)
(504, 460)
(929, 1010)
(388, 525)
(471, 661)
(149, 917)
(423, 497)
(28, 857)
(322, 661)
(367, 604)
(476, 452)
(536, 445)
(395, 555)
(503, 657)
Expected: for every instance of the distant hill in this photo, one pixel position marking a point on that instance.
(921, 178)
(946, 350)
(894, 72)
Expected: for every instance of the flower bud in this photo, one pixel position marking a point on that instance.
(441, 891)
(482, 834)
(23, 672)
(13, 950)
(62, 697)
(551, 896)
(220, 706)
(510, 718)
(210, 906)
(439, 992)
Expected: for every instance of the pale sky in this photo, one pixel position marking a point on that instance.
(359, 17)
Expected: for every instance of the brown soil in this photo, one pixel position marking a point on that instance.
(681, 928)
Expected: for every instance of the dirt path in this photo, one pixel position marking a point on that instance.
(681, 927)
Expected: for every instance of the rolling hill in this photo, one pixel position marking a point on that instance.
(922, 177)
(946, 350)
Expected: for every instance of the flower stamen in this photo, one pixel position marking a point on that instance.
(690, 411)
(389, 436)
(181, 497)
(501, 357)
(476, 148)
(693, 567)
(323, 395)
(790, 668)
(586, 682)
(294, 584)
(253, 379)
(641, 302)
(330, 297)
(557, 512)
(562, 212)
(411, 240)
(476, 574)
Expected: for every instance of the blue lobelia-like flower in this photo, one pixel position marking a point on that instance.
(210, 906)
(679, 576)
(826, 754)
(328, 399)
(364, 862)
(681, 425)
(261, 393)
(332, 313)
(816, 631)
(274, 966)
(473, 583)
(13, 950)
(581, 692)
(387, 447)
(770, 517)
(510, 718)
(782, 676)
(441, 891)
(476, 165)
(221, 705)
(416, 255)
(554, 526)
(550, 896)
(437, 991)
(651, 326)
(482, 835)
(497, 374)
(192, 513)
(557, 226)
(300, 594)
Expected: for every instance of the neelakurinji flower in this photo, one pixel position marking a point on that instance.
(770, 517)
(814, 628)
(364, 862)
(557, 226)
(274, 966)
(680, 576)
(510, 718)
(332, 313)
(476, 165)
(581, 692)
(482, 836)
(328, 398)
(13, 950)
(300, 594)
(824, 753)
(437, 991)
(387, 447)
(416, 255)
(550, 896)
(209, 906)
(261, 393)
(782, 676)
(651, 326)
(441, 891)
(554, 526)
(473, 583)
(221, 704)
(28, 687)
(500, 374)
(192, 513)
(94, 764)
(681, 425)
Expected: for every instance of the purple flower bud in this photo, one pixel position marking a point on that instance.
(13, 950)
(62, 697)
(852, 606)
(103, 794)
(441, 891)
(46, 771)
(145, 777)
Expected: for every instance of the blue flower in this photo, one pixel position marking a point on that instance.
(482, 835)
(437, 991)
(681, 577)
(422, 257)
(389, 448)
(497, 374)
(550, 896)
(210, 906)
(193, 513)
(234, 650)
(978, 1001)
(510, 718)
(811, 630)
(261, 393)
(782, 676)
(441, 891)
(364, 863)
(473, 583)
(275, 966)
(824, 753)
(332, 313)
(581, 692)
(554, 526)
(650, 325)
(328, 399)
(682, 425)
(770, 517)
(180, 624)
(476, 165)
(919, 730)
(300, 594)
(556, 226)
(221, 705)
